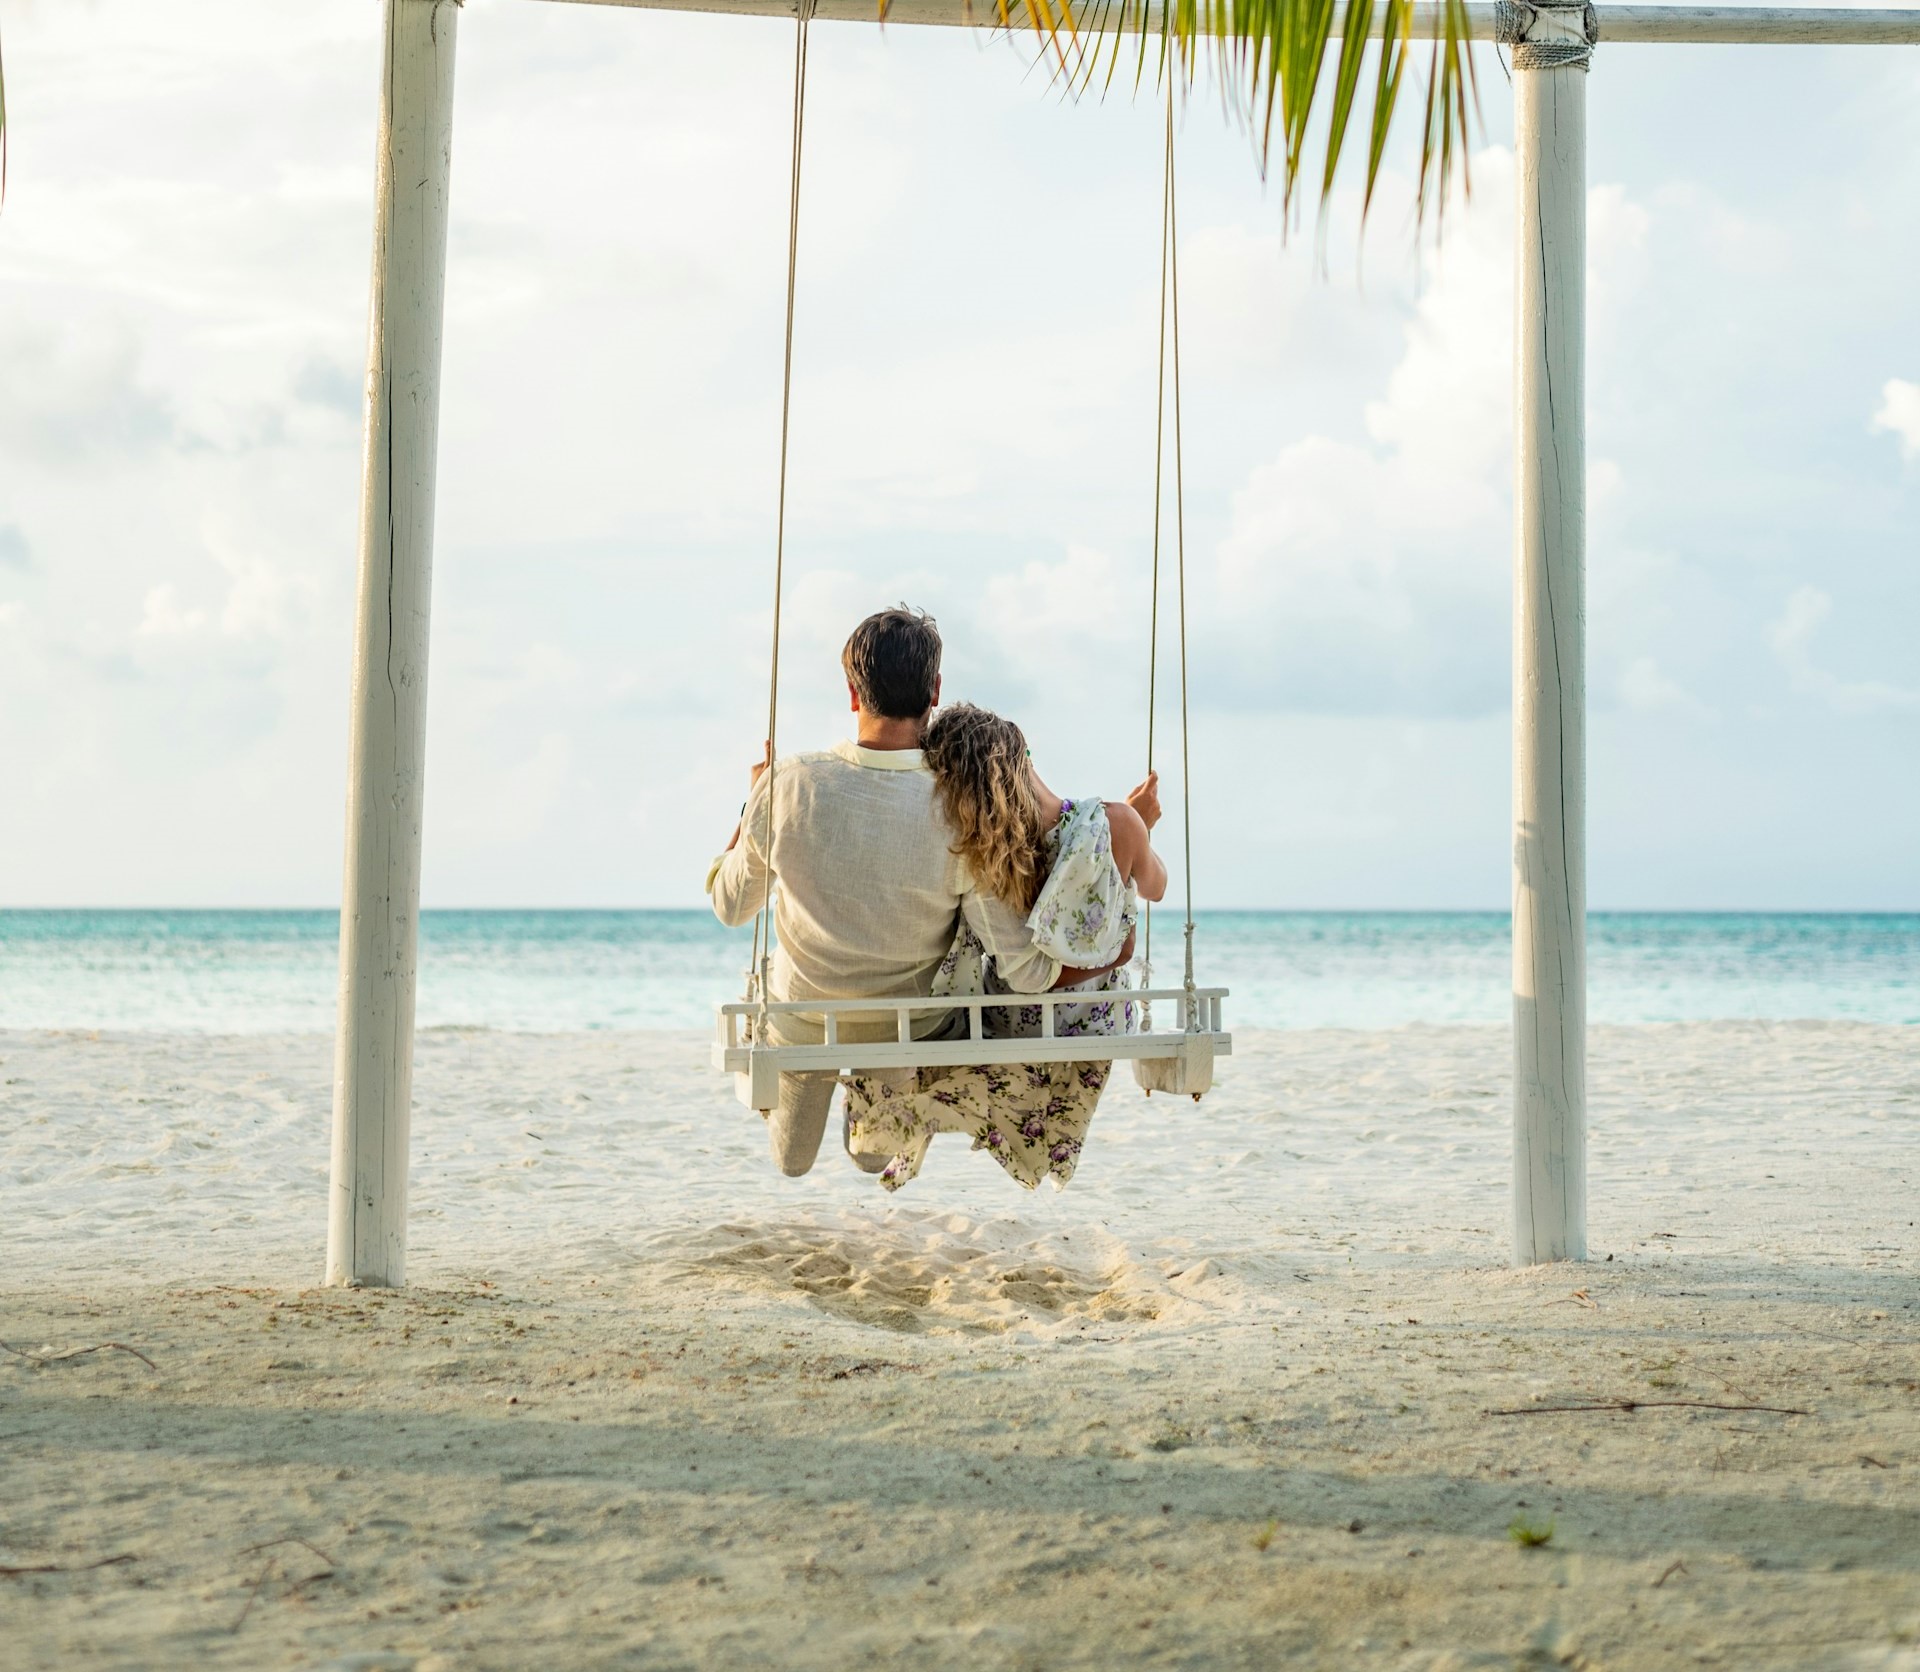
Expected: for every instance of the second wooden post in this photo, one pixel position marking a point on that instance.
(1551, 44)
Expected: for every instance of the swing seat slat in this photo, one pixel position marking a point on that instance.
(1165, 1059)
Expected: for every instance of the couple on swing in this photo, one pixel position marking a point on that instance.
(927, 857)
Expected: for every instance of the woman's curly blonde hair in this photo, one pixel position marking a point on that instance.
(985, 779)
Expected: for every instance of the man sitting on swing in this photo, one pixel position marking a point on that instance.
(872, 891)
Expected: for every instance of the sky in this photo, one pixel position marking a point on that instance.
(184, 257)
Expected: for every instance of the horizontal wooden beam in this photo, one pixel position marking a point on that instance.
(1695, 25)
(1747, 25)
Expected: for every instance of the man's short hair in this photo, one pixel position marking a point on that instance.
(893, 663)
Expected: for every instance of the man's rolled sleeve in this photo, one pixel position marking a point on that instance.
(1017, 960)
(737, 880)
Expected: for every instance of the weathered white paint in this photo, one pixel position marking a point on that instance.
(1549, 656)
(373, 1057)
(1756, 25)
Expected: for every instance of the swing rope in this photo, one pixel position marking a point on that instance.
(760, 974)
(1170, 303)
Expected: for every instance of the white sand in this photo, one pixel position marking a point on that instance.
(649, 1405)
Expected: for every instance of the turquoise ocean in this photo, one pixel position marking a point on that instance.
(568, 971)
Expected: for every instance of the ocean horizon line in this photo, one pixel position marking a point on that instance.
(245, 968)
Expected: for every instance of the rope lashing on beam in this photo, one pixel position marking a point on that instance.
(1512, 19)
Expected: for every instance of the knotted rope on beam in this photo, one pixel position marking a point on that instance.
(1513, 19)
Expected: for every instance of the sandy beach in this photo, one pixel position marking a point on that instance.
(1231, 1400)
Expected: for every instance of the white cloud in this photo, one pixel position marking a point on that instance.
(1066, 620)
(165, 618)
(1256, 309)
(1647, 689)
(79, 393)
(1366, 576)
(1618, 229)
(263, 593)
(1791, 636)
(1899, 415)
(1369, 577)
(528, 793)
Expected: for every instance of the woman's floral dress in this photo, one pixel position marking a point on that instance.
(1032, 1118)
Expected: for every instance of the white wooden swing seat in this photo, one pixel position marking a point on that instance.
(1163, 1060)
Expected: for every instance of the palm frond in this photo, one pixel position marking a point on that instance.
(1396, 42)
(1269, 56)
(1346, 83)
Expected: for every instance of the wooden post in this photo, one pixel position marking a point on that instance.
(1550, 55)
(373, 1057)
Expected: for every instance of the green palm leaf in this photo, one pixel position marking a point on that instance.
(1268, 56)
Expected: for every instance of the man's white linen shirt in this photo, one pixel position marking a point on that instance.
(868, 892)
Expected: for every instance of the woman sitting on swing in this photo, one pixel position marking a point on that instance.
(1078, 870)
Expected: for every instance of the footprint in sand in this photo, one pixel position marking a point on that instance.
(921, 1281)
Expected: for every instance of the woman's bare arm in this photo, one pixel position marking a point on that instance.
(1133, 852)
(1071, 977)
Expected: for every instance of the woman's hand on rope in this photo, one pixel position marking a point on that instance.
(1144, 799)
